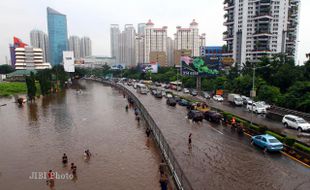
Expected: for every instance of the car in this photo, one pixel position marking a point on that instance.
(153, 91)
(177, 98)
(218, 98)
(206, 95)
(267, 106)
(245, 100)
(193, 92)
(129, 83)
(256, 108)
(296, 122)
(158, 94)
(179, 88)
(185, 90)
(212, 116)
(267, 142)
(171, 102)
(169, 94)
(195, 115)
(157, 84)
(183, 102)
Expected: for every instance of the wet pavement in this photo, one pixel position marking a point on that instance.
(220, 158)
(34, 137)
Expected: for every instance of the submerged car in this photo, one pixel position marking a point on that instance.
(171, 102)
(158, 94)
(267, 142)
(183, 102)
(212, 116)
(194, 92)
(218, 98)
(195, 115)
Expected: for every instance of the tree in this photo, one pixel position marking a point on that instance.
(270, 94)
(45, 81)
(31, 86)
(5, 69)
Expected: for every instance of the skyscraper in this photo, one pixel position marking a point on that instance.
(39, 39)
(155, 42)
(86, 47)
(188, 38)
(257, 28)
(141, 29)
(58, 36)
(127, 46)
(114, 41)
(75, 46)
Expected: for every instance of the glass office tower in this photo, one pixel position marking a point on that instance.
(57, 34)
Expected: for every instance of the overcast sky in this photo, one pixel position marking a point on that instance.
(93, 18)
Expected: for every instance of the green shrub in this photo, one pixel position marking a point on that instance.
(302, 147)
(289, 141)
(254, 127)
(262, 129)
(279, 137)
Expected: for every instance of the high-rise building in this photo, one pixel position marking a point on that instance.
(114, 41)
(75, 46)
(155, 40)
(139, 49)
(257, 28)
(127, 45)
(141, 29)
(86, 47)
(39, 39)
(202, 40)
(188, 38)
(57, 34)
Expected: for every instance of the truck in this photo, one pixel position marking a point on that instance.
(235, 99)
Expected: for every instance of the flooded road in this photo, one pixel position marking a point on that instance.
(219, 158)
(34, 137)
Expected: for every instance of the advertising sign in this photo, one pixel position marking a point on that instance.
(148, 67)
(68, 59)
(197, 67)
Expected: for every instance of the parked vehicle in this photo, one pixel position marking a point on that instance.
(195, 115)
(157, 84)
(171, 102)
(183, 102)
(185, 90)
(212, 116)
(256, 108)
(235, 99)
(296, 122)
(206, 95)
(193, 92)
(267, 142)
(218, 98)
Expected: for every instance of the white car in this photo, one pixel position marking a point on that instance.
(185, 90)
(256, 108)
(218, 98)
(296, 122)
(267, 106)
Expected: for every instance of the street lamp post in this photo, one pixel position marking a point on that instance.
(253, 92)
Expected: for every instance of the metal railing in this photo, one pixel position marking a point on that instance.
(177, 172)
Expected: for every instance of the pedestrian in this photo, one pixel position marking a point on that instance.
(148, 132)
(126, 108)
(51, 179)
(190, 140)
(65, 159)
(138, 119)
(73, 169)
(163, 182)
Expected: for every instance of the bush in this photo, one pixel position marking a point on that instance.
(279, 137)
(289, 141)
(302, 147)
(262, 129)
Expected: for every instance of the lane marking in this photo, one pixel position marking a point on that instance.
(216, 130)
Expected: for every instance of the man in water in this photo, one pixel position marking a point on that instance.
(190, 140)
(73, 169)
(126, 108)
(87, 153)
(51, 178)
(64, 159)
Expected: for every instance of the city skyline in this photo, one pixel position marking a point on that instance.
(208, 14)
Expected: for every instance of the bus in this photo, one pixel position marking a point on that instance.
(141, 88)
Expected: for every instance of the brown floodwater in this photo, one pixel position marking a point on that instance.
(34, 137)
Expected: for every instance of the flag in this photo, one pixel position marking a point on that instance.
(18, 43)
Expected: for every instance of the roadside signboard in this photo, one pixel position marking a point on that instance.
(197, 67)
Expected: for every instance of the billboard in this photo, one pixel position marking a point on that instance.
(197, 67)
(68, 60)
(148, 67)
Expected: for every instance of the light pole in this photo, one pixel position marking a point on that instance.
(253, 92)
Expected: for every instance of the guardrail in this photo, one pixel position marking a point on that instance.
(177, 172)
(284, 111)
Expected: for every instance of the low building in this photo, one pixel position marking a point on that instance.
(95, 62)
(159, 57)
(29, 58)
